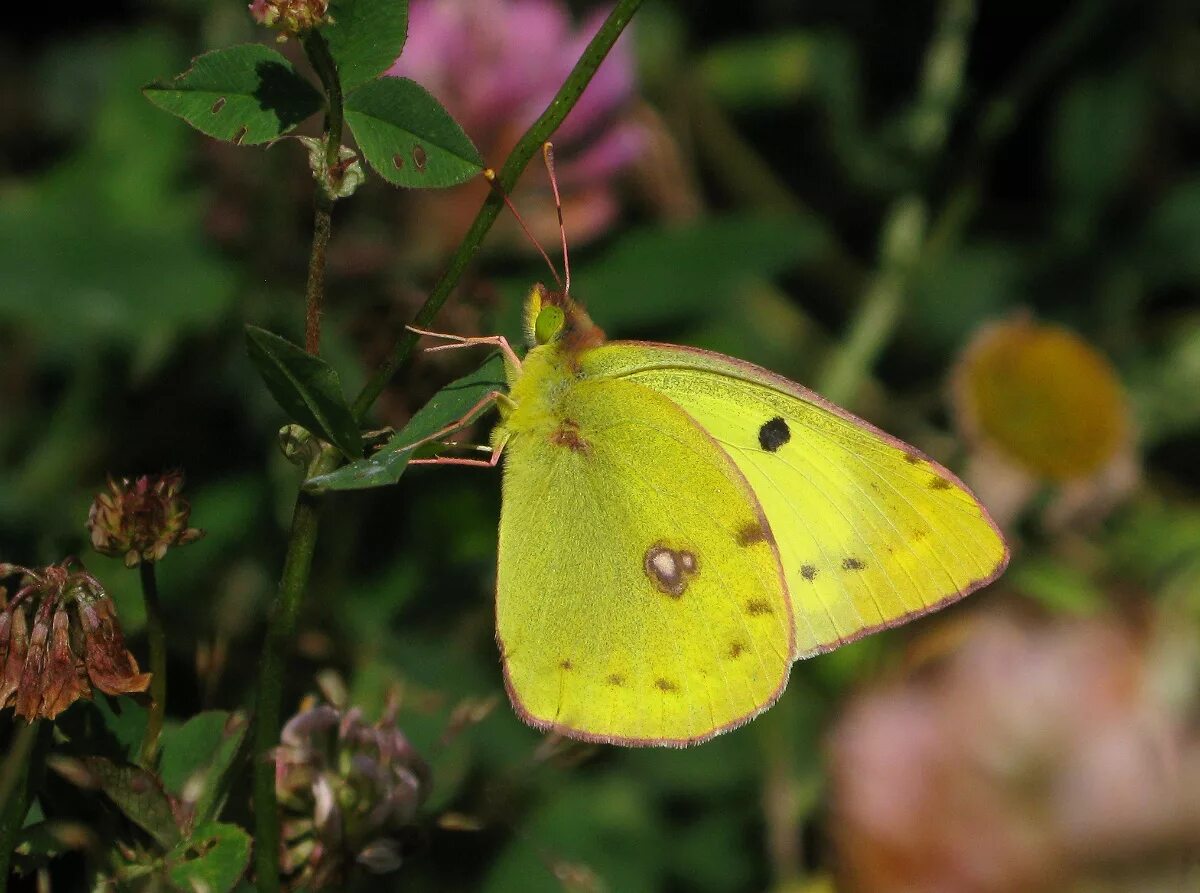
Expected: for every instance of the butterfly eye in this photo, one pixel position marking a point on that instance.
(549, 324)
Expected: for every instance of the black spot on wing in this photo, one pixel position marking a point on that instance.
(939, 483)
(774, 434)
(852, 564)
(808, 572)
(757, 607)
(666, 685)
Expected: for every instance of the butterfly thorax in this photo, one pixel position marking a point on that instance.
(536, 392)
(558, 331)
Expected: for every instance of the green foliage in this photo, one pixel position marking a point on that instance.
(365, 38)
(761, 71)
(449, 406)
(197, 762)
(213, 858)
(407, 137)
(247, 94)
(654, 276)
(306, 388)
(139, 795)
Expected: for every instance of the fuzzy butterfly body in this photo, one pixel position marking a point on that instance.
(679, 526)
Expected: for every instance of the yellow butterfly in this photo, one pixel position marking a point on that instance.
(679, 526)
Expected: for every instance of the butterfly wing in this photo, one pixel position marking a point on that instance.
(640, 599)
(870, 531)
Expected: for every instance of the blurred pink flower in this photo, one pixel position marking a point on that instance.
(1028, 761)
(495, 65)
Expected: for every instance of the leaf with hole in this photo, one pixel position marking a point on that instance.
(446, 407)
(408, 138)
(306, 387)
(245, 94)
(365, 38)
(213, 858)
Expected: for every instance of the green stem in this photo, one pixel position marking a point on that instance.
(322, 62)
(903, 235)
(522, 153)
(318, 54)
(15, 795)
(314, 293)
(302, 539)
(156, 632)
(281, 628)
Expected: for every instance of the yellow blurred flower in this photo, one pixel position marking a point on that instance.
(1040, 406)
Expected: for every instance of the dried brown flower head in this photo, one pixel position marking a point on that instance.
(140, 519)
(75, 643)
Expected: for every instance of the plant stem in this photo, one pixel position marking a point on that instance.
(281, 628)
(14, 794)
(314, 294)
(522, 153)
(302, 539)
(903, 234)
(156, 632)
(317, 51)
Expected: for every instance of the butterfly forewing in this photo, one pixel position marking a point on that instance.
(869, 531)
(640, 597)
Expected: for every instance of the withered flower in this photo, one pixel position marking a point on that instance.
(66, 680)
(140, 519)
(348, 789)
(76, 642)
(110, 666)
(14, 643)
(29, 690)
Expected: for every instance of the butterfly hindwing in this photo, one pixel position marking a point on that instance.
(640, 598)
(870, 532)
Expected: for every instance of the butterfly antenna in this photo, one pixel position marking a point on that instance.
(490, 176)
(548, 157)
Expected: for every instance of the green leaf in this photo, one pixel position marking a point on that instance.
(366, 37)
(761, 71)
(1098, 128)
(654, 276)
(139, 795)
(408, 137)
(306, 387)
(1057, 586)
(197, 758)
(447, 406)
(214, 859)
(246, 94)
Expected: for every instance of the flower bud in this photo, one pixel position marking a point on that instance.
(141, 519)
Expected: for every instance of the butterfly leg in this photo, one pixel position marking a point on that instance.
(466, 418)
(490, 462)
(460, 341)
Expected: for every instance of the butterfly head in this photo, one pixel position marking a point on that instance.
(552, 317)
